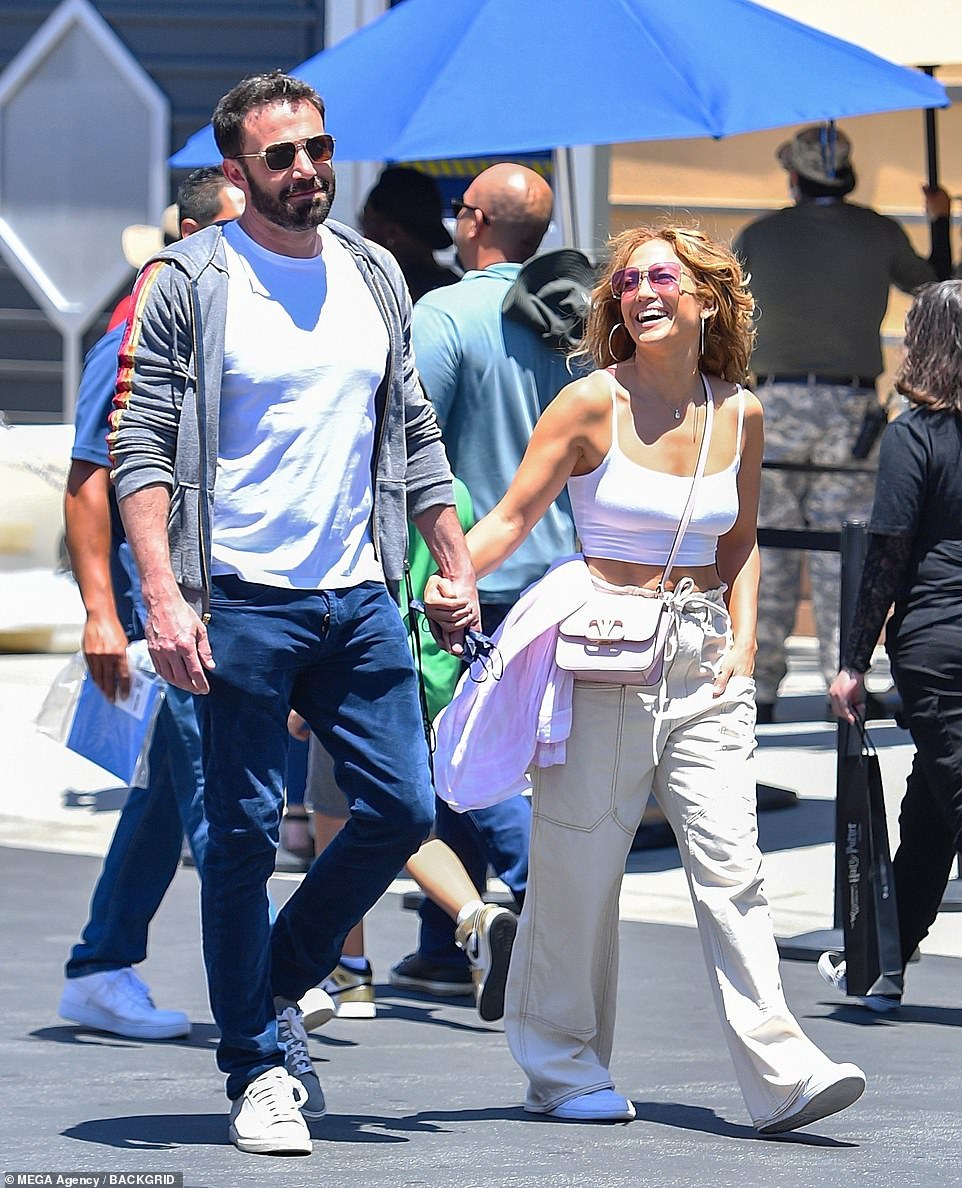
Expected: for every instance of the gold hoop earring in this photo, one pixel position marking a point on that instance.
(611, 334)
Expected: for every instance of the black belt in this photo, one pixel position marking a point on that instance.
(816, 377)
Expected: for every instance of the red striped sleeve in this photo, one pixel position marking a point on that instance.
(128, 347)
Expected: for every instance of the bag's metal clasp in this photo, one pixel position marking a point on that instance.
(605, 631)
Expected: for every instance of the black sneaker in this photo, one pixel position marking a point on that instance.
(292, 1038)
(432, 977)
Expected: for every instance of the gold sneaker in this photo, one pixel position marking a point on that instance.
(352, 992)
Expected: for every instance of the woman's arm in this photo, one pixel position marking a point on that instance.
(549, 459)
(737, 557)
(555, 449)
(901, 492)
(886, 561)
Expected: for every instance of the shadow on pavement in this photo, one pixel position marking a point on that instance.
(142, 1132)
(202, 1035)
(358, 1128)
(153, 1132)
(410, 1007)
(687, 1117)
(908, 1013)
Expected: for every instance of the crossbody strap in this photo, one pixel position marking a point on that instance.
(699, 471)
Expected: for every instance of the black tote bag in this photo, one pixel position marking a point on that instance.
(873, 958)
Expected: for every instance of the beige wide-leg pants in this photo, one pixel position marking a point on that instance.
(694, 752)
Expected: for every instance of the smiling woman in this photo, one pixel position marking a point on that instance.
(669, 334)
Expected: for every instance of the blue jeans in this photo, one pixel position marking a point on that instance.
(295, 782)
(145, 849)
(340, 658)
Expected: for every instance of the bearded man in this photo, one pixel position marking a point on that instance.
(270, 440)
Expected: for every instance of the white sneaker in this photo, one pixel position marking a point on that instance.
(832, 969)
(119, 1002)
(317, 1008)
(817, 1098)
(292, 1037)
(266, 1118)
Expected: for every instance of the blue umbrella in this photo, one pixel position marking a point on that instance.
(448, 78)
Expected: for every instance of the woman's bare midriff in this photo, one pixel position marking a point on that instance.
(627, 573)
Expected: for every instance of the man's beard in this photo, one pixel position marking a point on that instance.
(294, 216)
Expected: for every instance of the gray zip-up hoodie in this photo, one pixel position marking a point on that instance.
(166, 422)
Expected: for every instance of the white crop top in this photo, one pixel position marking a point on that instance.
(626, 512)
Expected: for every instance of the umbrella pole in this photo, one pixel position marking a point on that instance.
(566, 197)
(931, 138)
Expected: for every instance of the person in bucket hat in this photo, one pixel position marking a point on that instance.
(821, 271)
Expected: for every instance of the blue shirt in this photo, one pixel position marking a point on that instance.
(94, 402)
(490, 378)
(94, 399)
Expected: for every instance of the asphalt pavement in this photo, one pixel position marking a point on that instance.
(426, 1094)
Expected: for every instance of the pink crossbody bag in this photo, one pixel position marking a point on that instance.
(622, 639)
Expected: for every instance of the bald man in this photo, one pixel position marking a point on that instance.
(489, 377)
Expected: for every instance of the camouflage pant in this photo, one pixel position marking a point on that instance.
(817, 424)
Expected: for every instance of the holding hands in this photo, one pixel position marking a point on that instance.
(452, 609)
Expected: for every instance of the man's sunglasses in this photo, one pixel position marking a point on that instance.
(663, 278)
(457, 205)
(278, 157)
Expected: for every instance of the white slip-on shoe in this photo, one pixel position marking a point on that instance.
(604, 1105)
(832, 968)
(818, 1098)
(117, 1001)
(266, 1119)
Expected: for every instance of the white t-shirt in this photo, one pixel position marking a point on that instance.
(304, 352)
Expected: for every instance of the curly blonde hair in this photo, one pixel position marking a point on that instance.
(719, 281)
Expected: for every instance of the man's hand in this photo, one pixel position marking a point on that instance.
(451, 608)
(105, 650)
(178, 644)
(176, 638)
(938, 204)
(455, 591)
(297, 727)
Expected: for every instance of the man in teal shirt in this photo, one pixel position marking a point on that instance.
(489, 376)
(490, 365)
